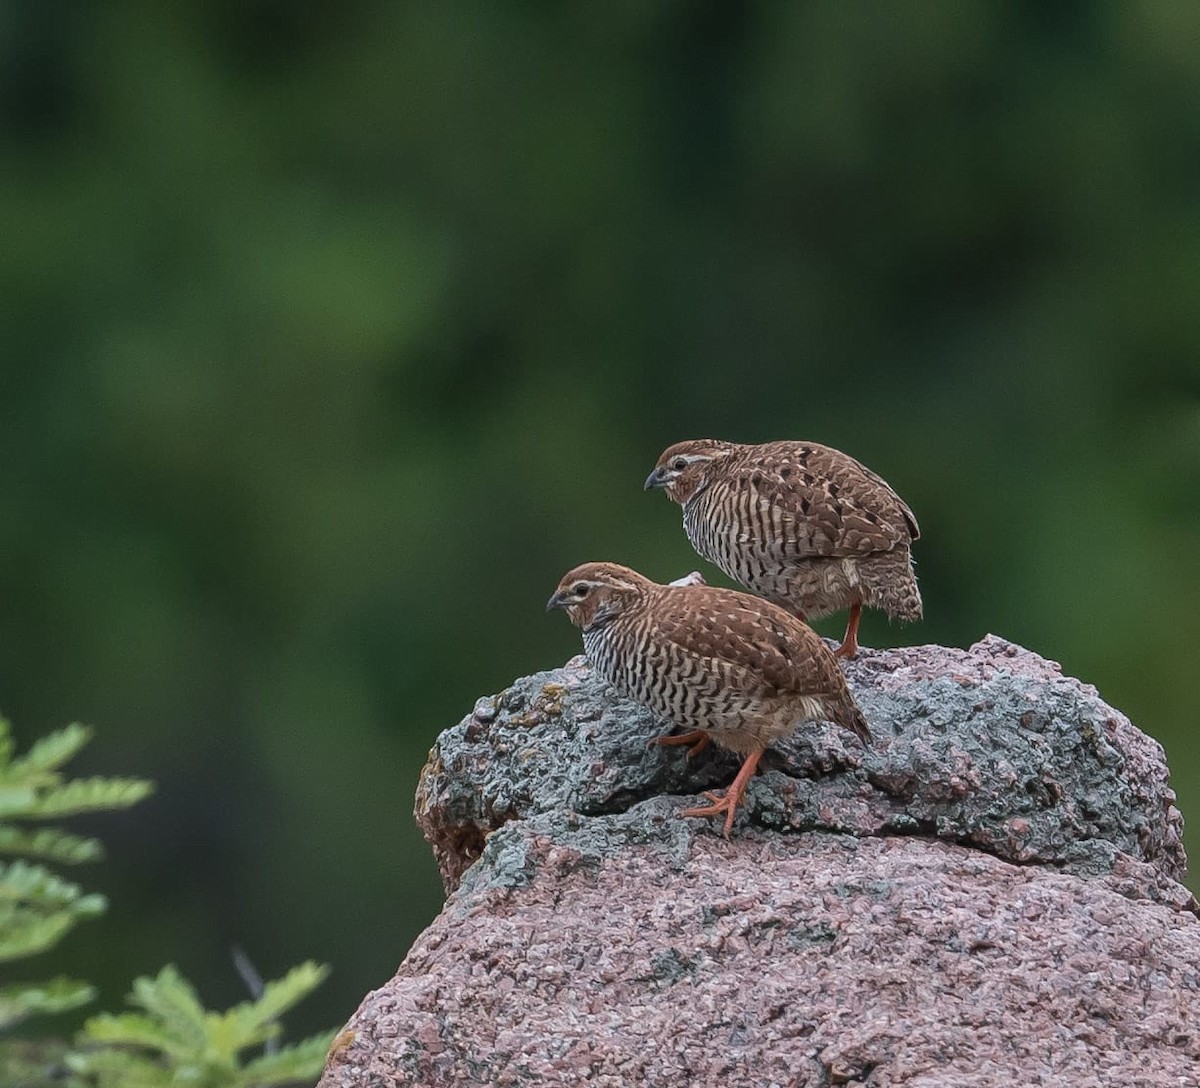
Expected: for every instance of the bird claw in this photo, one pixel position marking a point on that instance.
(721, 805)
(728, 801)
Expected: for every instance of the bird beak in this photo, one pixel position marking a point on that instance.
(656, 479)
(556, 601)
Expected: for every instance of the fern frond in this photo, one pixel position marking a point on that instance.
(57, 995)
(26, 933)
(134, 1029)
(170, 999)
(277, 997)
(227, 1035)
(303, 1061)
(47, 755)
(37, 885)
(49, 843)
(195, 1047)
(85, 795)
(37, 908)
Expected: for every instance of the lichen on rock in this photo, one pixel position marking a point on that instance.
(992, 747)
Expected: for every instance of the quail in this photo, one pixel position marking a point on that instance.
(726, 666)
(804, 525)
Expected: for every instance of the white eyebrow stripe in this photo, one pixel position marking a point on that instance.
(596, 583)
(618, 583)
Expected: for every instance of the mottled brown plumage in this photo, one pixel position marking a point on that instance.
(804, 525)
(727, 666)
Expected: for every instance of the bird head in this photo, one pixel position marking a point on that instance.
(594, 593)
(683, 469)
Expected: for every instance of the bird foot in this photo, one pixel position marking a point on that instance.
(728, 802)
(848, 649)
(726, 806)
(697, 738)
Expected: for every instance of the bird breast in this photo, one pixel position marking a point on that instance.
(692, 691)
(704, 521)
(738, 530)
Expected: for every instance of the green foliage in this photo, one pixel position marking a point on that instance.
(58, 995)
(174, 1040)
(37, 907)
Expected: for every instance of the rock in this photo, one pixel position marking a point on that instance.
(991, 894)
(991, 747)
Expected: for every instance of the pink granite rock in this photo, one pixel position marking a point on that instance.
(989, 896)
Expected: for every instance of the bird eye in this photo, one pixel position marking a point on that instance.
(679, 464)
(580, 589)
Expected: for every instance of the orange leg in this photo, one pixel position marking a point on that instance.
(733, 796)
(849, 646)
(697, 738)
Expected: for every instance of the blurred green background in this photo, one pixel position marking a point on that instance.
(334, 333)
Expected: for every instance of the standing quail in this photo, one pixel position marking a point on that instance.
(804, 525)
(727, 666)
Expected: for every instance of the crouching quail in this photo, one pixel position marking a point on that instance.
(727, 666)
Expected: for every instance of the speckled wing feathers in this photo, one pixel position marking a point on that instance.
(910, 519)
(770, 654)
(822, 502)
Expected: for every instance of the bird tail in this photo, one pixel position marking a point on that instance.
(890, 584)
(907, 605)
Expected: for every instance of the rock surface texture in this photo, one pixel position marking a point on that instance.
(990, 895)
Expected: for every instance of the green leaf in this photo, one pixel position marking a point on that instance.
(57, 995)
(303, 1061)
(227, 1035)
(170, 999)
(22, 882)
(87, 795)
(279, 996)
(49, 843)
(195, 1047)
(26, 933)
(135, 1029)
(49, 753)
(37, 908)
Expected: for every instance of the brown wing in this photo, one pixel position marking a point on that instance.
(771, 653)
(820, 501)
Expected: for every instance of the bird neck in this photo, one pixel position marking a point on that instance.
(690, 501)
(611, 612)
